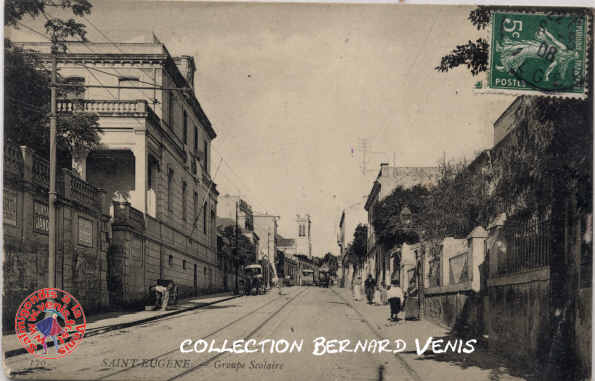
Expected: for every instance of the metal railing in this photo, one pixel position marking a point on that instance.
(528, 246)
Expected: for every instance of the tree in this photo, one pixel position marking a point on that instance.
(27, 82)
(358, 248)
(389, 228)
(332, 262)
(473, 54)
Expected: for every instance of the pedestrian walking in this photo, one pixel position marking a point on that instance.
(357, 288)
(396, 299)
(370, 286)
(377, 300)
(383, 295)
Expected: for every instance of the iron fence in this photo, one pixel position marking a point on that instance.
(527, 246)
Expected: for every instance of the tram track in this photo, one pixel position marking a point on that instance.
(410, 371)
(216, 331)
(247, 336)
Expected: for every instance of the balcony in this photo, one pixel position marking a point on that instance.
(138, 108)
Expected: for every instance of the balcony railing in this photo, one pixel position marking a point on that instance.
(114, 106)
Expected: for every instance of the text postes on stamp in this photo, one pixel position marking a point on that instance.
(538, 53)
(50, 315)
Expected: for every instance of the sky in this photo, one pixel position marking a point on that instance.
(292, 89)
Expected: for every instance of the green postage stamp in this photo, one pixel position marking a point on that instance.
(538, 53)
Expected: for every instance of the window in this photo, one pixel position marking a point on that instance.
(170, 183)
(205, 272)
(302, 230)
(184, 186)
(170, 260)
(127, 82)
(185, 126)
(170, 109)
(184, 265)
(195, 206)
(195, 139)
(74, 92)
(41, 219)
(204, 218)
(10, 207)
(206, 153)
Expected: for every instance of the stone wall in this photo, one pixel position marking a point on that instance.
(145, 250)
(519, 310)
(82, 234)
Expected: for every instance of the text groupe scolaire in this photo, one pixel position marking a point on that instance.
(323, 346)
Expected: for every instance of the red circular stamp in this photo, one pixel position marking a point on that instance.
(50, 315)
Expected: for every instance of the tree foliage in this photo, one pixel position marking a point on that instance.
(27, 85)
(357, 249)
(388, 227)
(245, 252)
(58, 29)
(332, 262)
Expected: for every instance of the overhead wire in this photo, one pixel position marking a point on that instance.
(222, 159)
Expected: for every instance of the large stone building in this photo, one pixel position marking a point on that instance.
(153, 159)
(378, 260)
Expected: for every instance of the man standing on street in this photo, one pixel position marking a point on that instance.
(370, 286)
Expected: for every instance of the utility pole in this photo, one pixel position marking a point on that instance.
(237, 259)
(52, 192)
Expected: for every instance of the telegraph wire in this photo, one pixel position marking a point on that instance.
(222, 160)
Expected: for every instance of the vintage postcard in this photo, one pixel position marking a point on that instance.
(199, 190)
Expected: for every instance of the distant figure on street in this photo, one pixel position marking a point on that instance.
(357, 288)
(370, 286)
(383, 296)
(396, 299)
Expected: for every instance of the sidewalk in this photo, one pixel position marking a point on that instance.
(100, 323)
(479, 365)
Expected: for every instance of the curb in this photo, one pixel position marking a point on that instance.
(102, 330)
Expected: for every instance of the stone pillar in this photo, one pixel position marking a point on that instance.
(477, 254)
(79, 162)
(139, 195)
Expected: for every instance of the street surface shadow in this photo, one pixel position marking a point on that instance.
(28, 371)
(499, 365)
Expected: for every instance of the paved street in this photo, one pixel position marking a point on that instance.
(299, 313)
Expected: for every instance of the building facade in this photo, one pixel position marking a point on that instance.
(351, 216)
(304, 238)
(378, 261)
(153, 160)
(265, 225)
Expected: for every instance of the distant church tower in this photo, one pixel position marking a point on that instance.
(304, 239)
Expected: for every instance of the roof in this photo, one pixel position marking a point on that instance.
(103, 51)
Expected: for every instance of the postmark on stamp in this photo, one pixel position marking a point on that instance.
(538, 53)
(50, 314)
